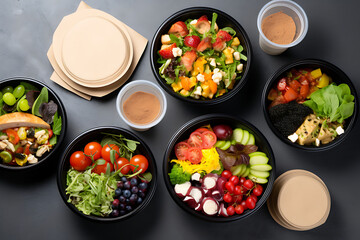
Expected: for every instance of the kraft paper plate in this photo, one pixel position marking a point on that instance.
(92, 48)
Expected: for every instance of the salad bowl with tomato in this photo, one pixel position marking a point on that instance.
(310, 104)
(201, 55)
(219, 168)
(107, 167)
(32, 123)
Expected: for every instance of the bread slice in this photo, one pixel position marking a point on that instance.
(20, 119)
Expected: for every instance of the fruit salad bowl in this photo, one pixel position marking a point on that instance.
(118, 201)
(194, 52)
(317, 98)
(33, 124)
(236, 164)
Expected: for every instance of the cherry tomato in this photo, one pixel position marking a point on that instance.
(105, 152)
(101, 168)
(209, 139)
(194, 155)
(120, 162)
(12, 135)
(238, 198)
(248, 184)
(290, 94)
(234, 179)
(243, 204)
(239, 209)
(257, 191)
(295, 85)
(93, 149)
(230, 210)
(242, 180)
(181, 150)
(281, 84)
(79, 161)
(253, 197)
(250, 203)
(139, 162)
(228, 198)
(201, 130)
(196, 140)
(19, 150)
(226, 174)
(51, 133)
(27, 149)
(238, 190)
(230, 186)
(304, 91)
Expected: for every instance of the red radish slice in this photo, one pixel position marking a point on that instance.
(217, 195)
(198, 207)
(181, 150)
(190, 201)
(196, 193)
(182, 189)
(210, 206)
(196, 177)
(222, 210)
(221, 184)
(210, 181)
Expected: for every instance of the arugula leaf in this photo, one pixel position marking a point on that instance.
(213, 22)
(178, 40)
(229, 30)
(53, 140)
(57, 124)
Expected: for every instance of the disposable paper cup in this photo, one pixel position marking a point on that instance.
(293, 10)
(143, 86)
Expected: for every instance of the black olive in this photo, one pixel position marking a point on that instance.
(30, 133)
(20, 156)
(33, 148)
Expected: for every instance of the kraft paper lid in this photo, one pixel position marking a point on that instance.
(92, 48)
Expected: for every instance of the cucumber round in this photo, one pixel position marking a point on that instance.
(257, 154)
(257, 179)
(243, 169)
(238, 134)
(220, 143)
(259, 174)
(258, 160)
(236, 170)
(261, 167)
(246, 173)
(245, 138)
(226, 145)
(251, 140)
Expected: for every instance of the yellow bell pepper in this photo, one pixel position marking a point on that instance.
(323, 81)
(192, 82)
(21, 159)
(205, 90)
(316, 73)
(198, 66)
(235, 42)
(176, 86)
(229, 55)
(22, 133)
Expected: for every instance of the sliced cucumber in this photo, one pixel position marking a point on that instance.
(246, 173)
(259, 174)
(226, 145)
(236, 170)
(251, 140)
(258, 160)
(257, 154)
(245, 138)
(261, 167)
(238, 134)
(220, 143)
(257, 179)
(243, 170)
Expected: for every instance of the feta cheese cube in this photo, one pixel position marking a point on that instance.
(193, 22)
(177, 52)
(200, 77)
(197, 92)
(165, 39)
(236, 56)
(216, 70)
(217, 77)
(212, 62)
(293, 137)
(339, 130)
(240, 67)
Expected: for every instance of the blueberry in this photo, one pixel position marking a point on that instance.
(128, 208)
(118, 192)
(143, 186)
(120, 184)
(133, 198)
(123, 179)
(127, 185)
(126, 193)
(122, 212)
(121, 206)
(141, 194)
(139, 200)
(122, 199)
(134, 181)
(127, 201)
(115, 213)
(134, 189)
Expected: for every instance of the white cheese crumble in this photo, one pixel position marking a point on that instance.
(236, 56)
(240, 67)
(217, 77)
(216, 70)
(317, 142)
(32, 159)
(197, 92)
(200, 77)
(177, 52)
(293, 137)
(193, 22)
(339, 130)
(212, 62)
(165, 39)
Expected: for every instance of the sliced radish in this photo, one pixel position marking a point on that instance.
(210, 206)
(209, 182)
(217, 195)
(196, 177)
(198, 207)
(182, 189)
(190, 201)
(197, 193)
(222, 210)
(221, 184)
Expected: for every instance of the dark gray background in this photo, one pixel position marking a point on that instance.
(30, 205)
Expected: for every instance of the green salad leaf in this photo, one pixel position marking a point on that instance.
(229, 30)
(42, 98)
(29, 86)
(178, 176)
(333, 102)
(57, 124)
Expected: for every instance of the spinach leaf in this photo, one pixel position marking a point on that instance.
(57, 124)
(177, 40)
(53, 140)
(42, 98)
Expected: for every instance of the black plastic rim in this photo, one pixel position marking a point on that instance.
(89, 136)
(62, 113)
(192, 125)
(180, 16)
(326, 67)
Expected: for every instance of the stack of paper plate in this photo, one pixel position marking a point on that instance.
(93, 49)
(299, 201)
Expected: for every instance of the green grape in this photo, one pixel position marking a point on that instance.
(19, 91)
(9, 99)
(24, 105)
(8, 89)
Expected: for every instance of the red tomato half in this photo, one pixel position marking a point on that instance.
(181, 150)
(93, 149)
(201, 130)
(105, 152)
(290, 94)
(120, 162)
(304, 91)
(140, 161)
(195, 140)
(295, 85)
(101, 168)
(209, 139)
(194, 155)
(12, 135)
(79, 161)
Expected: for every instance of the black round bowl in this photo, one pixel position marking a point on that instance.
(337, 75)
(214, 119)
(95, 134)
(15, 81)
(223, 20)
